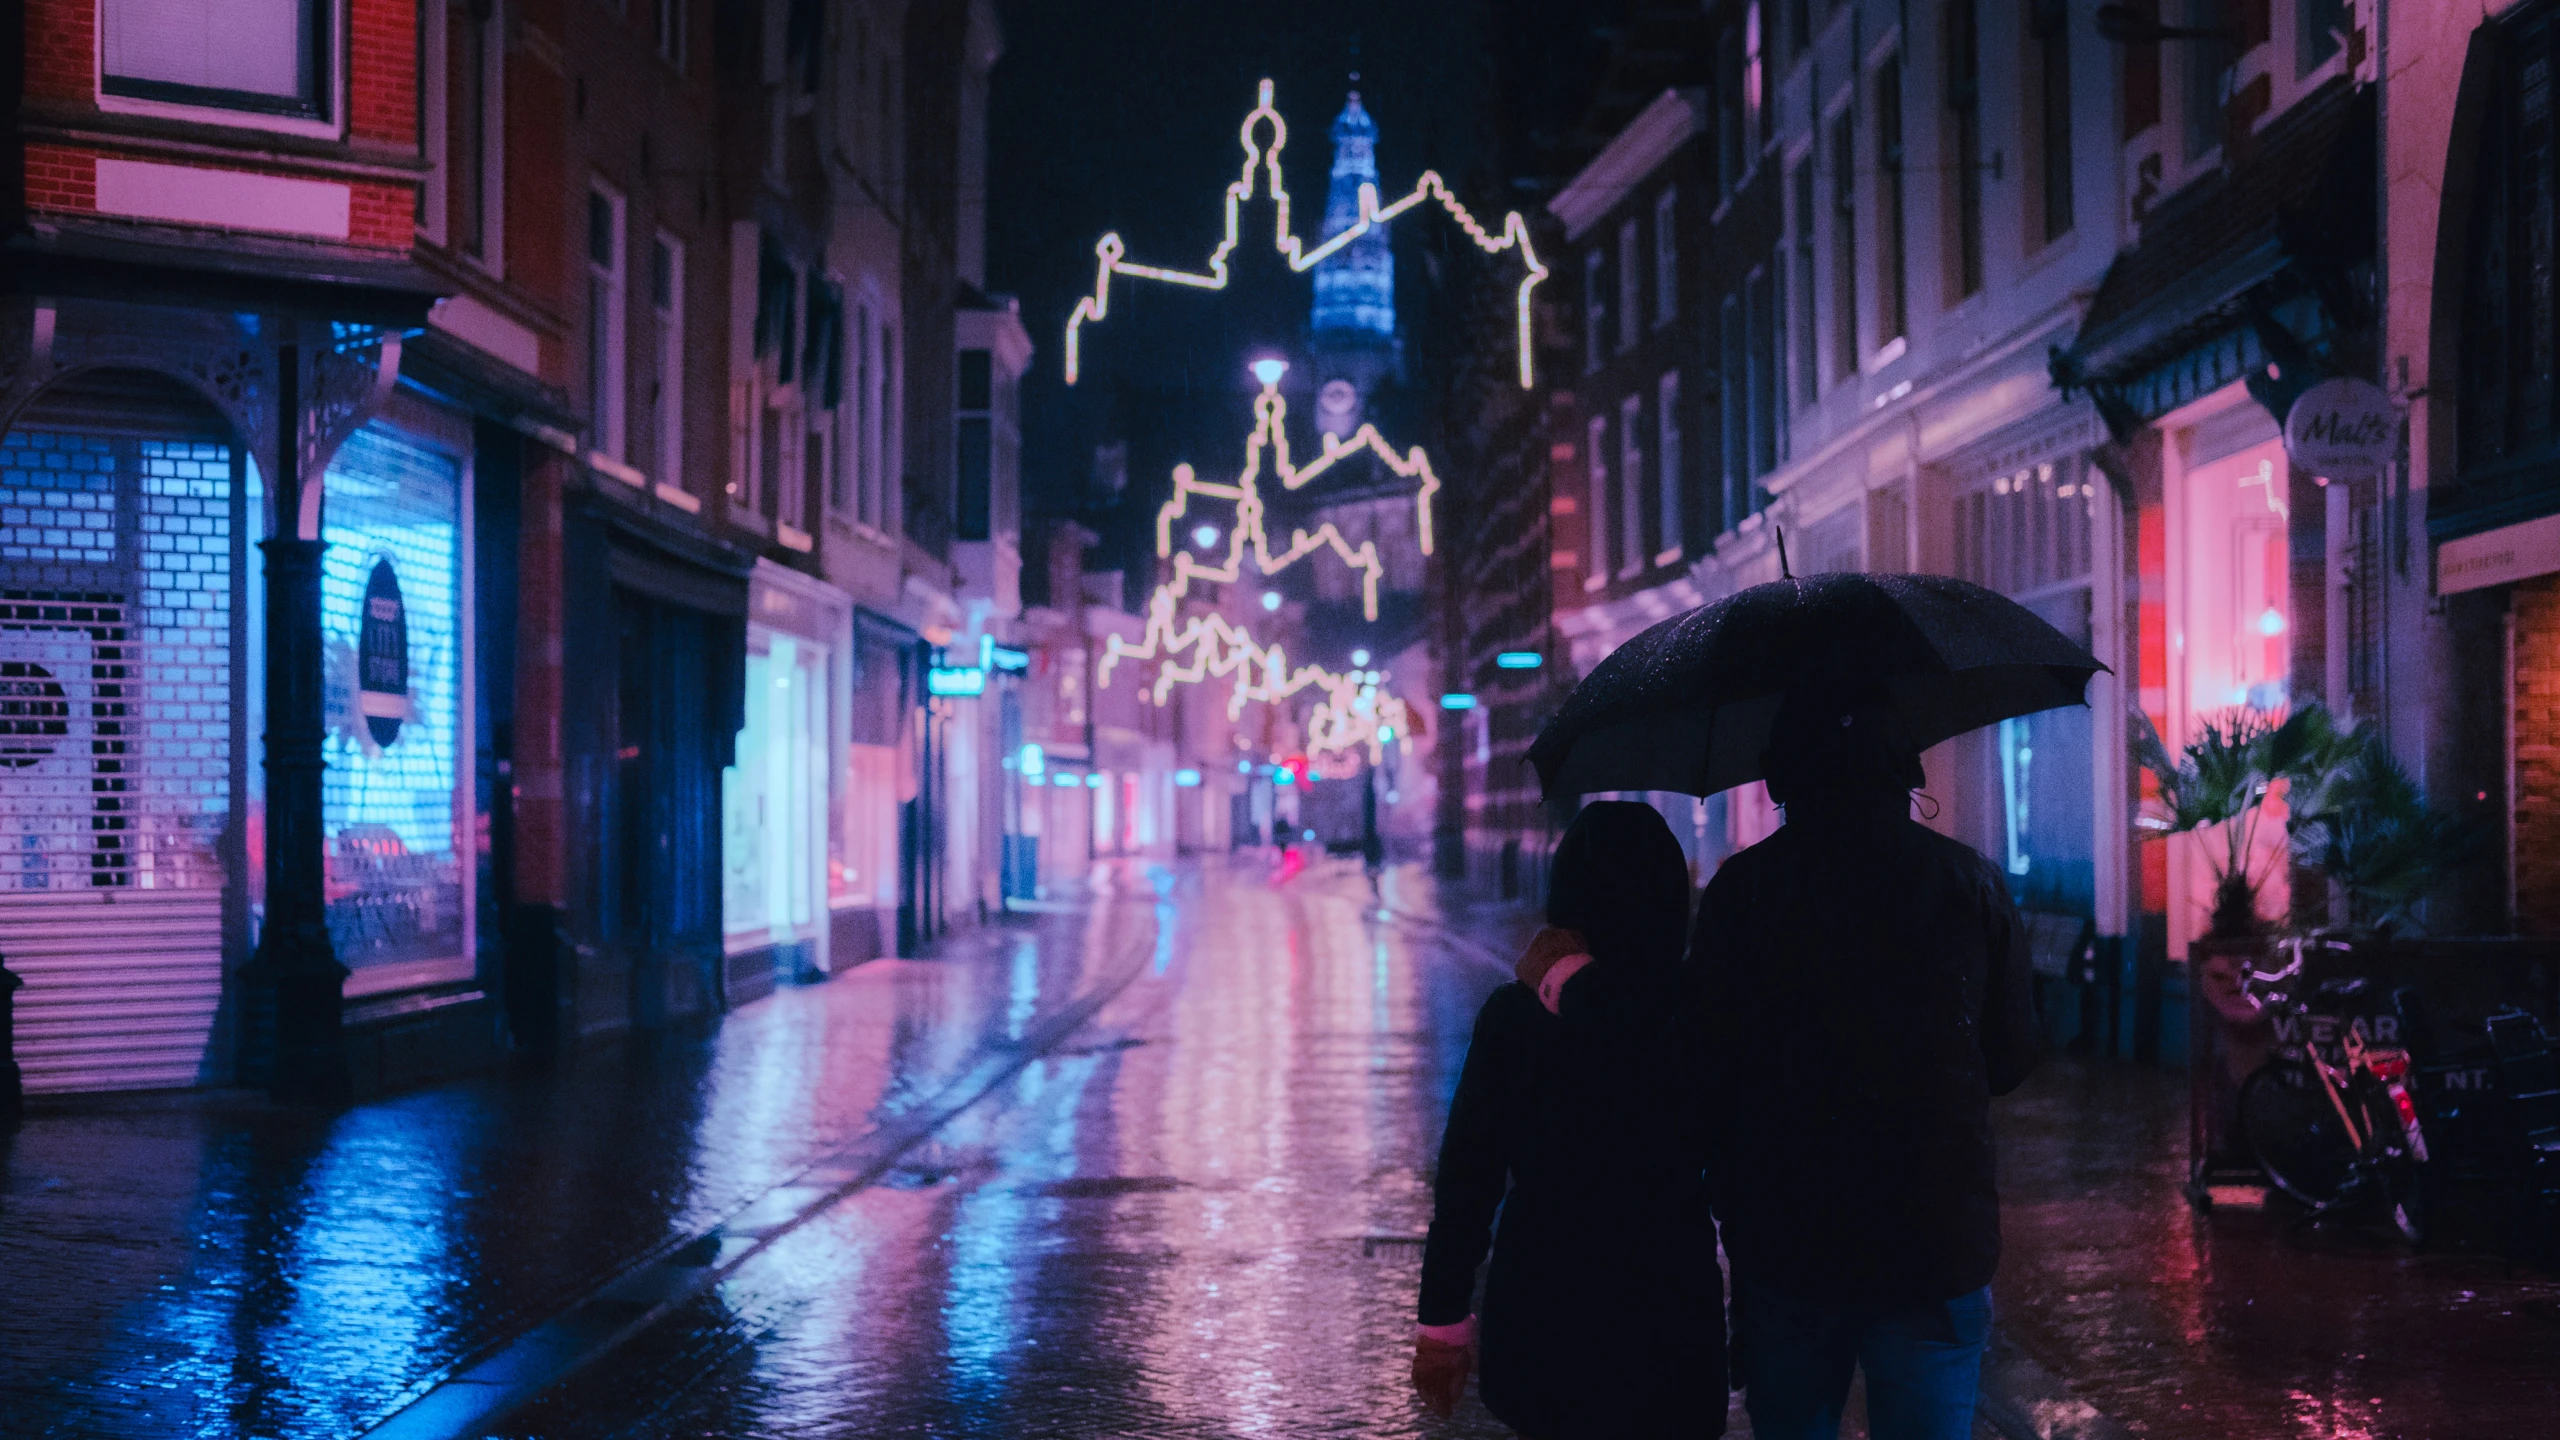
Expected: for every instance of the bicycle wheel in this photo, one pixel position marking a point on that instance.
(2296, 1134)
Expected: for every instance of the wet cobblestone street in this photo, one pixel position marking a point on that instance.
(1186, 1204)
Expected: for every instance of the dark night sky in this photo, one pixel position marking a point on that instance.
(1122, 115)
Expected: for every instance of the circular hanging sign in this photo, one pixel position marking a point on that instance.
(2342, 429)
(382, 657)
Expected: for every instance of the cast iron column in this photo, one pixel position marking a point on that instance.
(296, 966)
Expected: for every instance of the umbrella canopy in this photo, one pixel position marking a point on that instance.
(1687, 705)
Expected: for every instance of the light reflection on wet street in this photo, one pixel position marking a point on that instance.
(1189, 1206)
(1194, 1218)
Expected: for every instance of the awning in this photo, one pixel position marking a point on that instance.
(2248, 266)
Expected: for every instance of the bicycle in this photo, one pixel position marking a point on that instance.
(2337, 1135)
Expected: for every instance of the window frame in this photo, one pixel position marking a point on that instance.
(667, 418)
(1630, 285)
(608, 326)
(1667, 460)
(1595, 308)
(1595, 471)
(319, 110)
(1666, 256)
(1631, 449)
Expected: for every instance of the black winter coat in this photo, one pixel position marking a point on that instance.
(1862, 991)
(1603, 1309)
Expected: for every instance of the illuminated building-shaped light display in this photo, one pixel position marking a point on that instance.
(1354, 710)
(1261, 177)
(1356, 285)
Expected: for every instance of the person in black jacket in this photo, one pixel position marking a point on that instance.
(1861, 991)
(1603, 1307)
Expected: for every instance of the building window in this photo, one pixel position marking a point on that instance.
(1730, 152)
(1893, 308)
(267, 56)
(2510, 320)
(1595, 308)
(1631, 485)
(1964, 150)
(2141, 73)
(605, 299)
(2208, 62)
(821, 391)
(864, 417)
(1666, 464)
(1807, 371)
(666, 394)
(1754, 84)
(669, 28)
(1762, 319)
(1630, 294)
(477, 132)
(1844, 246)
(2048, 168)
(1730, 408)
(1666, 257)
(2320, 28)
(1595, 460)
(976, 445)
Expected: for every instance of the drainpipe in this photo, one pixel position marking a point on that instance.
(296, 970)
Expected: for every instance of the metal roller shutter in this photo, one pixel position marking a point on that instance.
(121, 986)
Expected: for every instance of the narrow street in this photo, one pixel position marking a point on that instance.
(1148, 1165)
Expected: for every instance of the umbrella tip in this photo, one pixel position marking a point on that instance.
(1784, 573)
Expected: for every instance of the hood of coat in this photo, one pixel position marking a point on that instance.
(1620, 879)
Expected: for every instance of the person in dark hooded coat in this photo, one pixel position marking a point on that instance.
(1603, 1307)
(1859, 990)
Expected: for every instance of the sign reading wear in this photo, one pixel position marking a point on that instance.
(382, 657)
(2342, 429)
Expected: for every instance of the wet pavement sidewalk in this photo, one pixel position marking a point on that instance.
(1153, 1166)
(208, 1265)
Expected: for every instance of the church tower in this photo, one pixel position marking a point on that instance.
(1352, 329)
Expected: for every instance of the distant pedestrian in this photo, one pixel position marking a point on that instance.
(1861, 992)
(1603, 1308)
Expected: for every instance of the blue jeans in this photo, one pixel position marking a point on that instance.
(1923, 1364)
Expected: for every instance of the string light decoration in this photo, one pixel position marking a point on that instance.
(1355, 708)
(1354, 711)
(1111, 252)
(1271, 437)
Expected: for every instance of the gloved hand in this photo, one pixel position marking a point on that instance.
(1440, 1373)
(1549, 949)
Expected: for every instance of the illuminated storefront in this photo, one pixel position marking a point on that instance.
(779, 799)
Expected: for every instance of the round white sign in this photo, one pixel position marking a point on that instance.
(2343, 429)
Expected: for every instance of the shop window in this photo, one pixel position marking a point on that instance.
(391, 622)
(265, 56)
(774, 798)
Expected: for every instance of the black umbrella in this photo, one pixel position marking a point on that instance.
(1687, 705)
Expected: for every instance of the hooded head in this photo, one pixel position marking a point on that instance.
(1620, 879)
(1838, 743)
